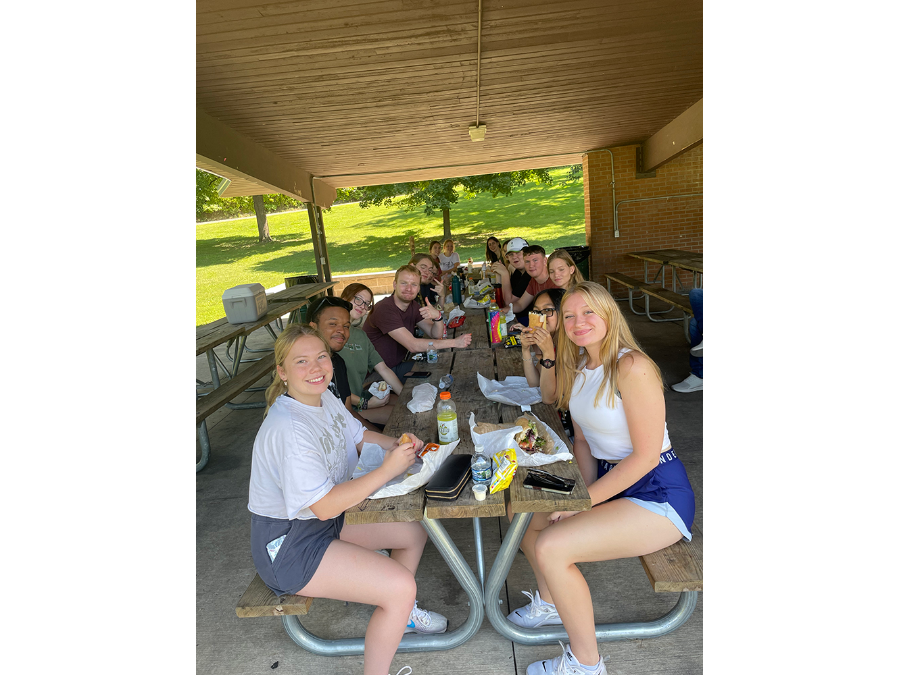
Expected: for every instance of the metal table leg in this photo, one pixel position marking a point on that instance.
(410, 642)
(609, 632)
(479, 551)
(204, 445)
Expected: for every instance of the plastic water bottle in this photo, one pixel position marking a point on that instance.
(448, 429)
(446, 381)
(481, 466)
(432, 355)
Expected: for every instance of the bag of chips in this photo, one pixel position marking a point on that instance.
(506, 464)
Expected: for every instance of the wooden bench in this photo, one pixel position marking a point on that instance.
(678, 567)
(258, 600)
(647, 289)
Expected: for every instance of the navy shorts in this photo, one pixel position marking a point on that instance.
(300, 553)
(666, 490)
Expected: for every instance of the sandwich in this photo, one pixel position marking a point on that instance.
(536, 320)
(531, 439)
(383, 386)
(404, 439)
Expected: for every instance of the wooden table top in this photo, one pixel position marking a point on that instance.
(464, 365)
(213, 334)
(300, 291)
(687, 260)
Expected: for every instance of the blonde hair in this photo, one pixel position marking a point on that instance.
(618, 336)
(562, 254)
(283, 345)
(412, 269)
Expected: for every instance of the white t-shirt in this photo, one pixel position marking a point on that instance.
(605, 429)
(299, 454)
(447, 262)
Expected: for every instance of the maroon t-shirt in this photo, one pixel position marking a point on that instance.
(534, 287)
(385, 317)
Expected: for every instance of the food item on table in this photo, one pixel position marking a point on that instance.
(405, 439)
(430, 447)
(487, 427)
(536, 320)
(506, 469)
(383, 386)
(531, 439)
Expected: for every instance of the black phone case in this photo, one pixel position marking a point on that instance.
(419, 373)
(448, 482)
(539, 485)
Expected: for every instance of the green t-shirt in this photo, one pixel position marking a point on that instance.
(361, 358)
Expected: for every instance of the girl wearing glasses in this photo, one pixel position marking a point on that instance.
(361, 358)
(642, 499)
(539, 345)
(429, 287)
(303, 457)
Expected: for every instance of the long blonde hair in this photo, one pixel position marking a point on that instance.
(562, 254)
(618, 336)
(283, 345)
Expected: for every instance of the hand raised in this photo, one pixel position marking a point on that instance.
(398, 459)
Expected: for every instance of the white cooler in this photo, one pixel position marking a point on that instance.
(246, 302)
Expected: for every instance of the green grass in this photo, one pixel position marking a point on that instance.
(377, 238)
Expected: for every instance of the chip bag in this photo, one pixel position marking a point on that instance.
(506, 468)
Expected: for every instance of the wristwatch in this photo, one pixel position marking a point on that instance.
(547, 363)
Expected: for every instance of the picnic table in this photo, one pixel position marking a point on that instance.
(483, 593)
(686, 260)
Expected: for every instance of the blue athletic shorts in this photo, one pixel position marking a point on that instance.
(299, 554)
(666, 490)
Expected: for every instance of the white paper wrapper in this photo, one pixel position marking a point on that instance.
(373, 389)
(423, 398)
(472, 304)
(418, 475)
(455, 312)
(500, 440)
(514, 390)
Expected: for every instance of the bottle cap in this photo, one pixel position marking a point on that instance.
(445, 395)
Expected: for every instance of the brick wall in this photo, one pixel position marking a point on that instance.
(381, 283)
(674, 223)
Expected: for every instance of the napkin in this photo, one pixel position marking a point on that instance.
(423, 397)
(373, 389)
(514, 390)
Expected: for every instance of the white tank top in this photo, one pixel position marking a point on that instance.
(605, 428)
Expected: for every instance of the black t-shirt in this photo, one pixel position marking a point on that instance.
(518, 283)
(339, 385)
(427, 291)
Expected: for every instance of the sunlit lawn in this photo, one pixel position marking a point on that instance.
(377, 239)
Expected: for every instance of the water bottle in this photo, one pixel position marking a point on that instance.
(445, 381)
(432, 353)
(455, 289)
(448, 429)
(484, 272)
(481, 467)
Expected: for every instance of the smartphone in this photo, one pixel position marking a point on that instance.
(547, 482)
(419, 373)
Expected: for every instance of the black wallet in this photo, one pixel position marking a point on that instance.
(448, 482)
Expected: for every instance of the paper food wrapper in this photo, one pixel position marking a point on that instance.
(503, 438)
(423, 398)
(514, 390)
(373, 389)
(454, 313)
(417, 475)
(471, 303)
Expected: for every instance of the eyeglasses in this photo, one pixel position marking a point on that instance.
(359, 302)
(327, 301)
(546, 312)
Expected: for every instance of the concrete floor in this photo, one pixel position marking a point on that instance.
(231, 646)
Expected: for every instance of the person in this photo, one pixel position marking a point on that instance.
(434, 248)
(331, 317)
(492, 252)
(694, 381)
(562, 269)
(393, 321)
(539, 344)
(448, 258)
(514, 279)
(361, 358)
(536, 267)
(642, 499)
(429, 287)
(303, 457)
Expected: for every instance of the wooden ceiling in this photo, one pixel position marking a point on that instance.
(366, 92)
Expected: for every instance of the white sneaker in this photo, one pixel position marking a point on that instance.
(565, 664)
(690, 383)
(424, 622)
(698, 349)
(536, 613)
(386, 554)
(404, 668)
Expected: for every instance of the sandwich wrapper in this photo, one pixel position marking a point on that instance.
(416, 476)
(373, 389)
(514, 390)
(455, 312)
(503, 438)
(423, 397)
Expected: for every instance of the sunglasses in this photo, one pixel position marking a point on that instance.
(362, 304)
(327, 301)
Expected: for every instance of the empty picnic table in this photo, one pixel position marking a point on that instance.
(686, 260)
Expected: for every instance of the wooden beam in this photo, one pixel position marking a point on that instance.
(232, 155)
(677, 137)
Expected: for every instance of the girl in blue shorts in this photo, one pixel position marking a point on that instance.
(642, 500)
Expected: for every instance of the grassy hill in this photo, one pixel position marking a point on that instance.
(377, 238)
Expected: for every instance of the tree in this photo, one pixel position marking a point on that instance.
(261, 224)
(442, 194)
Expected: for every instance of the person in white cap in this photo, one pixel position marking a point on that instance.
(514, 283)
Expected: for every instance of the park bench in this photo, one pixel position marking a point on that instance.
(648, 289)
(675, 569)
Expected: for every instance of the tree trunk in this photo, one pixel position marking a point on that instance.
(446, 224)
(261, 222)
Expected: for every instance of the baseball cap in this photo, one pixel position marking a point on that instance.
(516, 244)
